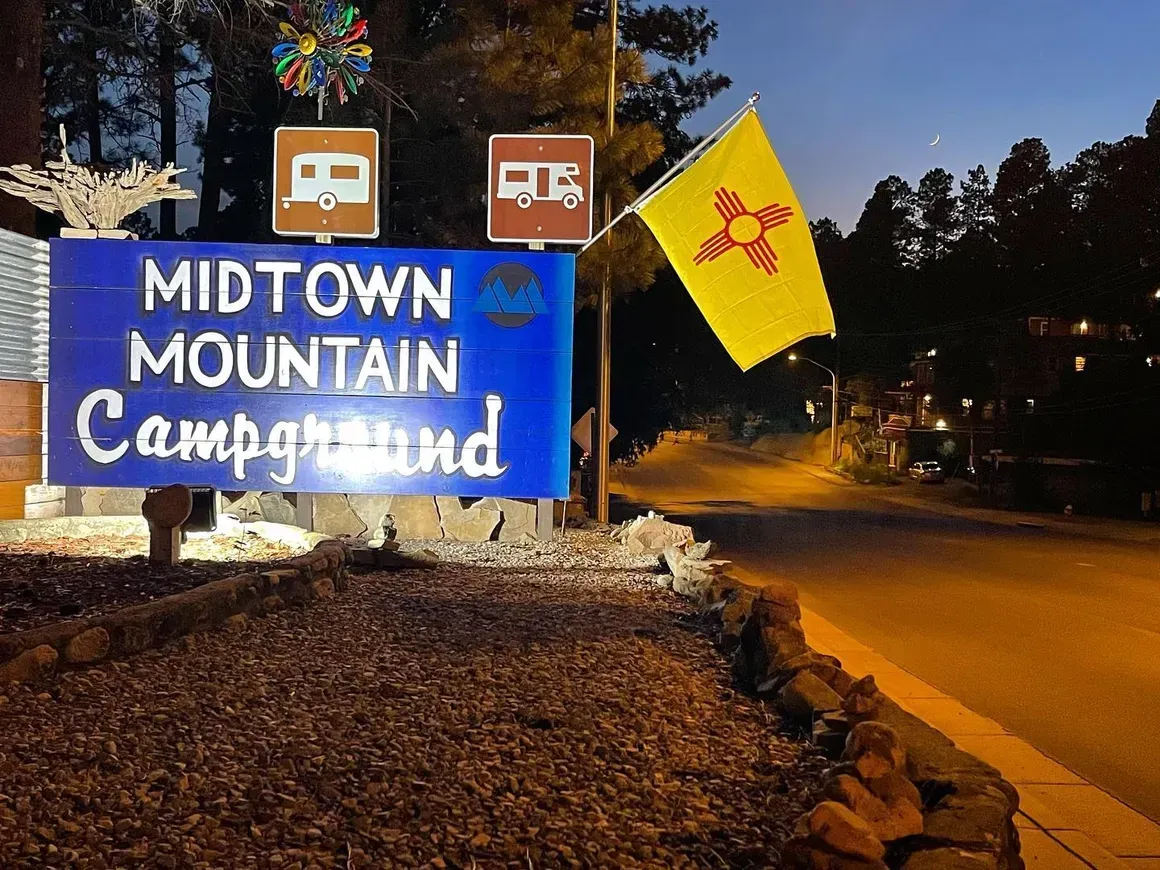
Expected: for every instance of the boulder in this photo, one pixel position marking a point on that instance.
(875, 749)
(473, 524)
(974, 816)
(416, 518)
(236, 622)
(832, 741)
(844, 832)
(38, 663)
(809, 853)
(519, 518)
(247, 508)
(863, 697)
(951, 859)
(805, 695)
(700, 551)
(118, 502)
(768, 648)
(87, 647)
(777, 602)
(333, 516)
(895, 787)
(888, 821)
(650, 535)
(275, 509)
(91, 497)
(698, 579)
(932, 757)
(370, 509)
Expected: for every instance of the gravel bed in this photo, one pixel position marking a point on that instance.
(540, 705)
(42, 582)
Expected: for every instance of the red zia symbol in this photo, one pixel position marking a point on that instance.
(744, 229)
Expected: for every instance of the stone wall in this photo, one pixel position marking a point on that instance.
(424, 518)
(412, 517)
(38, 653)
(901, 794)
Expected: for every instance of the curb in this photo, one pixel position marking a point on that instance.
(38, 653)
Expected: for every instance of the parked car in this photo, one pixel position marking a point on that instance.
(928, 472)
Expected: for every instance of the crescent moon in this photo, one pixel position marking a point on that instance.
(936, 138)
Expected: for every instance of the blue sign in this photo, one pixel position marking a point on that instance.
(312, 369)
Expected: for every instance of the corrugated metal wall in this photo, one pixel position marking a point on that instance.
(23, 308)
(23, 371)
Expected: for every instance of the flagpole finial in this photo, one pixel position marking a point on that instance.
(755, 98)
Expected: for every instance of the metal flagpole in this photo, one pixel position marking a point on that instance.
(664, 179)
(600, 441)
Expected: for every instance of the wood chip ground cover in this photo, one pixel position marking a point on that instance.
(42, 582)
(534, 706)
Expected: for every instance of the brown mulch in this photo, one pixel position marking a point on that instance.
(535, 706)
(42, 582)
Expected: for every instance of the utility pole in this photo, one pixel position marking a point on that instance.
(600, 441)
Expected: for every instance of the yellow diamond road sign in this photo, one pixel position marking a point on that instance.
(582, 431)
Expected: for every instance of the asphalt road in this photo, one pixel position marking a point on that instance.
(1055, 636)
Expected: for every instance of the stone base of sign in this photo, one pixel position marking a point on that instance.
(425, 518)
(38, 653)
(412, 517)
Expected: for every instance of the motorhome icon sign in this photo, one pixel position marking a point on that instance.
(540, 189)
(326, 182)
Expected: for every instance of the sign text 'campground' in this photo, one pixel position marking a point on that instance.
(315, 369)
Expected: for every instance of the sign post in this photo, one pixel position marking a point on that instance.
(540, 191)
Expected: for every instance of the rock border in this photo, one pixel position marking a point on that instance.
(37, 653)
(901, 794)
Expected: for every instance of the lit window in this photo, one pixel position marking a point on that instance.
(1080, 362)
(1083, 327)
(1030, 406)
(1038, 325)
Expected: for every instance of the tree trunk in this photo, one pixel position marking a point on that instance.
(211, 164)
(385, 172)
(167, 112)
(93, 109)
(20, 142)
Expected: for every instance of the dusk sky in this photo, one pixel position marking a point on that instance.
(853, 91)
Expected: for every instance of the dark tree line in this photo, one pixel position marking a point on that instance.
(190, 82)
(962, 266)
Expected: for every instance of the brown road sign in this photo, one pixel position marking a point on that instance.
(540, 189)
(326, 182)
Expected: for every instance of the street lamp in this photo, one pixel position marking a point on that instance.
(793, 357)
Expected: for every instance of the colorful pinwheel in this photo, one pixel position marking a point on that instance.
(320, 47)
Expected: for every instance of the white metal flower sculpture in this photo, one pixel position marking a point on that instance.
(92, 200)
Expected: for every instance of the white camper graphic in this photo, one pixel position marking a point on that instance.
(329, 179)
(521, 182)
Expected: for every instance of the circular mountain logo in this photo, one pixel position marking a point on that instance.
(511, 295)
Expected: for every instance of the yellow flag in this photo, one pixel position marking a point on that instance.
(737, 236)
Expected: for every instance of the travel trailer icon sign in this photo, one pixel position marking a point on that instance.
(326, 182)
(540, 189)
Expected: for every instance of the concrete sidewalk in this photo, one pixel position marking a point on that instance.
(1065, 822)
